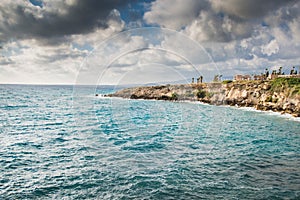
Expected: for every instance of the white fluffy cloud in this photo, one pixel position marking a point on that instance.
(161, 55)
(33, 63)
(270, 48)
(174, 14)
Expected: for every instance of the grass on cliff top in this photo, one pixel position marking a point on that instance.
(227, 81)
(283, 84)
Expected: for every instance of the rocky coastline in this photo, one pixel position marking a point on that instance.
(279, 95)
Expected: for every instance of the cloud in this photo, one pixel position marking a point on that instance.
(21, 20)
(198, 19)
(209, 27)
(131, 52)
(248, 9)
(216, 20)
(94, 37)
(174, 14)
(270, 48)
(26, 61)
(47, 42)
(55, 61)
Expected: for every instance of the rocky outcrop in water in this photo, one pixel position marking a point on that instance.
(277, 96)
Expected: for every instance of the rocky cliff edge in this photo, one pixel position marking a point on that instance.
(279, 95)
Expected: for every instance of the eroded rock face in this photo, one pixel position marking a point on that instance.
(253, 94)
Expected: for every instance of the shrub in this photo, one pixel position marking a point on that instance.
(278, 83)
(201, 94)
(209, 94)
(281, 84)
(226, 81)
(174, 96)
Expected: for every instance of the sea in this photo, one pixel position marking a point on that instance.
(64, 142)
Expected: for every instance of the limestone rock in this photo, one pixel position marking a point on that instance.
(255, 94)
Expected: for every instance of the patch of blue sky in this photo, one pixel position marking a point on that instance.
(284, 27)
(83, 47)
(7, 52)
(264, 24)
(134, 12)
(221, 15)
(36, 3)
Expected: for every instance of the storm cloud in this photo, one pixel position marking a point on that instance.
(217, 20)
(21, 19)
(249, 9)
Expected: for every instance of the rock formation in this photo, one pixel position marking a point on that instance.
(276, 95)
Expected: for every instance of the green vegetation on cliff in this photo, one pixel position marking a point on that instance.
(284, 84)
(202, 94)
(227, 81)
(174, 96)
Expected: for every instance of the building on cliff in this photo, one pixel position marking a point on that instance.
(268, 76)
(289, 76)
(240, 77)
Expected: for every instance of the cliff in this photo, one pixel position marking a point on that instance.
(280, 95)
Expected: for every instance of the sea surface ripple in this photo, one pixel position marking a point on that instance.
(59, 144)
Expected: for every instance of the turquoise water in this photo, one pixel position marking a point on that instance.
(60, 143)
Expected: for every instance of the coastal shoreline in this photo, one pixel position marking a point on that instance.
(247, 109)
(260, 95)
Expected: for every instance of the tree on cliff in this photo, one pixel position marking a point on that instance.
(217, 78)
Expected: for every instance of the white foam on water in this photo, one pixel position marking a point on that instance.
(269, 112)
(249, 109)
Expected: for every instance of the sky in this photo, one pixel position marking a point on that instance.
(114, 42)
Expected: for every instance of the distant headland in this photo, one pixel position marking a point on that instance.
(276, 92)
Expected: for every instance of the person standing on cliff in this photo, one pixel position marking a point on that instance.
(292, 71)
(267, 73)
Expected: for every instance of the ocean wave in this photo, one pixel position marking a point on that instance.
(144, 149)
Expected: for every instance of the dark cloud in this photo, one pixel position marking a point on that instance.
(218, 20)
(20, 19)
(249, 9)
(174, 14)
(61, 55)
